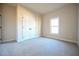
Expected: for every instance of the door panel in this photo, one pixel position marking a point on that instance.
(25, 28)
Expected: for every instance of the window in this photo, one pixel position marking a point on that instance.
(54, 25)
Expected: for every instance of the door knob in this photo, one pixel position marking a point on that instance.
(30, 28)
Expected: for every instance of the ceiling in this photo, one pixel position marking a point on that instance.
(43, 8)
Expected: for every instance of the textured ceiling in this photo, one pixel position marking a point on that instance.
(43, 8)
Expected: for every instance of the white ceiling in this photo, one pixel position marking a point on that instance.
(43, 8)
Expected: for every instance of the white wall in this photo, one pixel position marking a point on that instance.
(8, 22)
(78, 22)
(0, 8)
(68, 23)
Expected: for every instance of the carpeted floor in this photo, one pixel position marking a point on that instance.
(39, 47)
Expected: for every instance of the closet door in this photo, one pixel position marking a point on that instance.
(28, 27)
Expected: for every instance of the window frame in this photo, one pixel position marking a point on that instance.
(56, 26)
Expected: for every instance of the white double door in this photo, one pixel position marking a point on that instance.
(28, 27)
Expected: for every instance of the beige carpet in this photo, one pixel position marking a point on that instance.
(39, 47)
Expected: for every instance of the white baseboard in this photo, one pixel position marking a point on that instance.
(61, 39)
(7, 41)
(26, 39)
